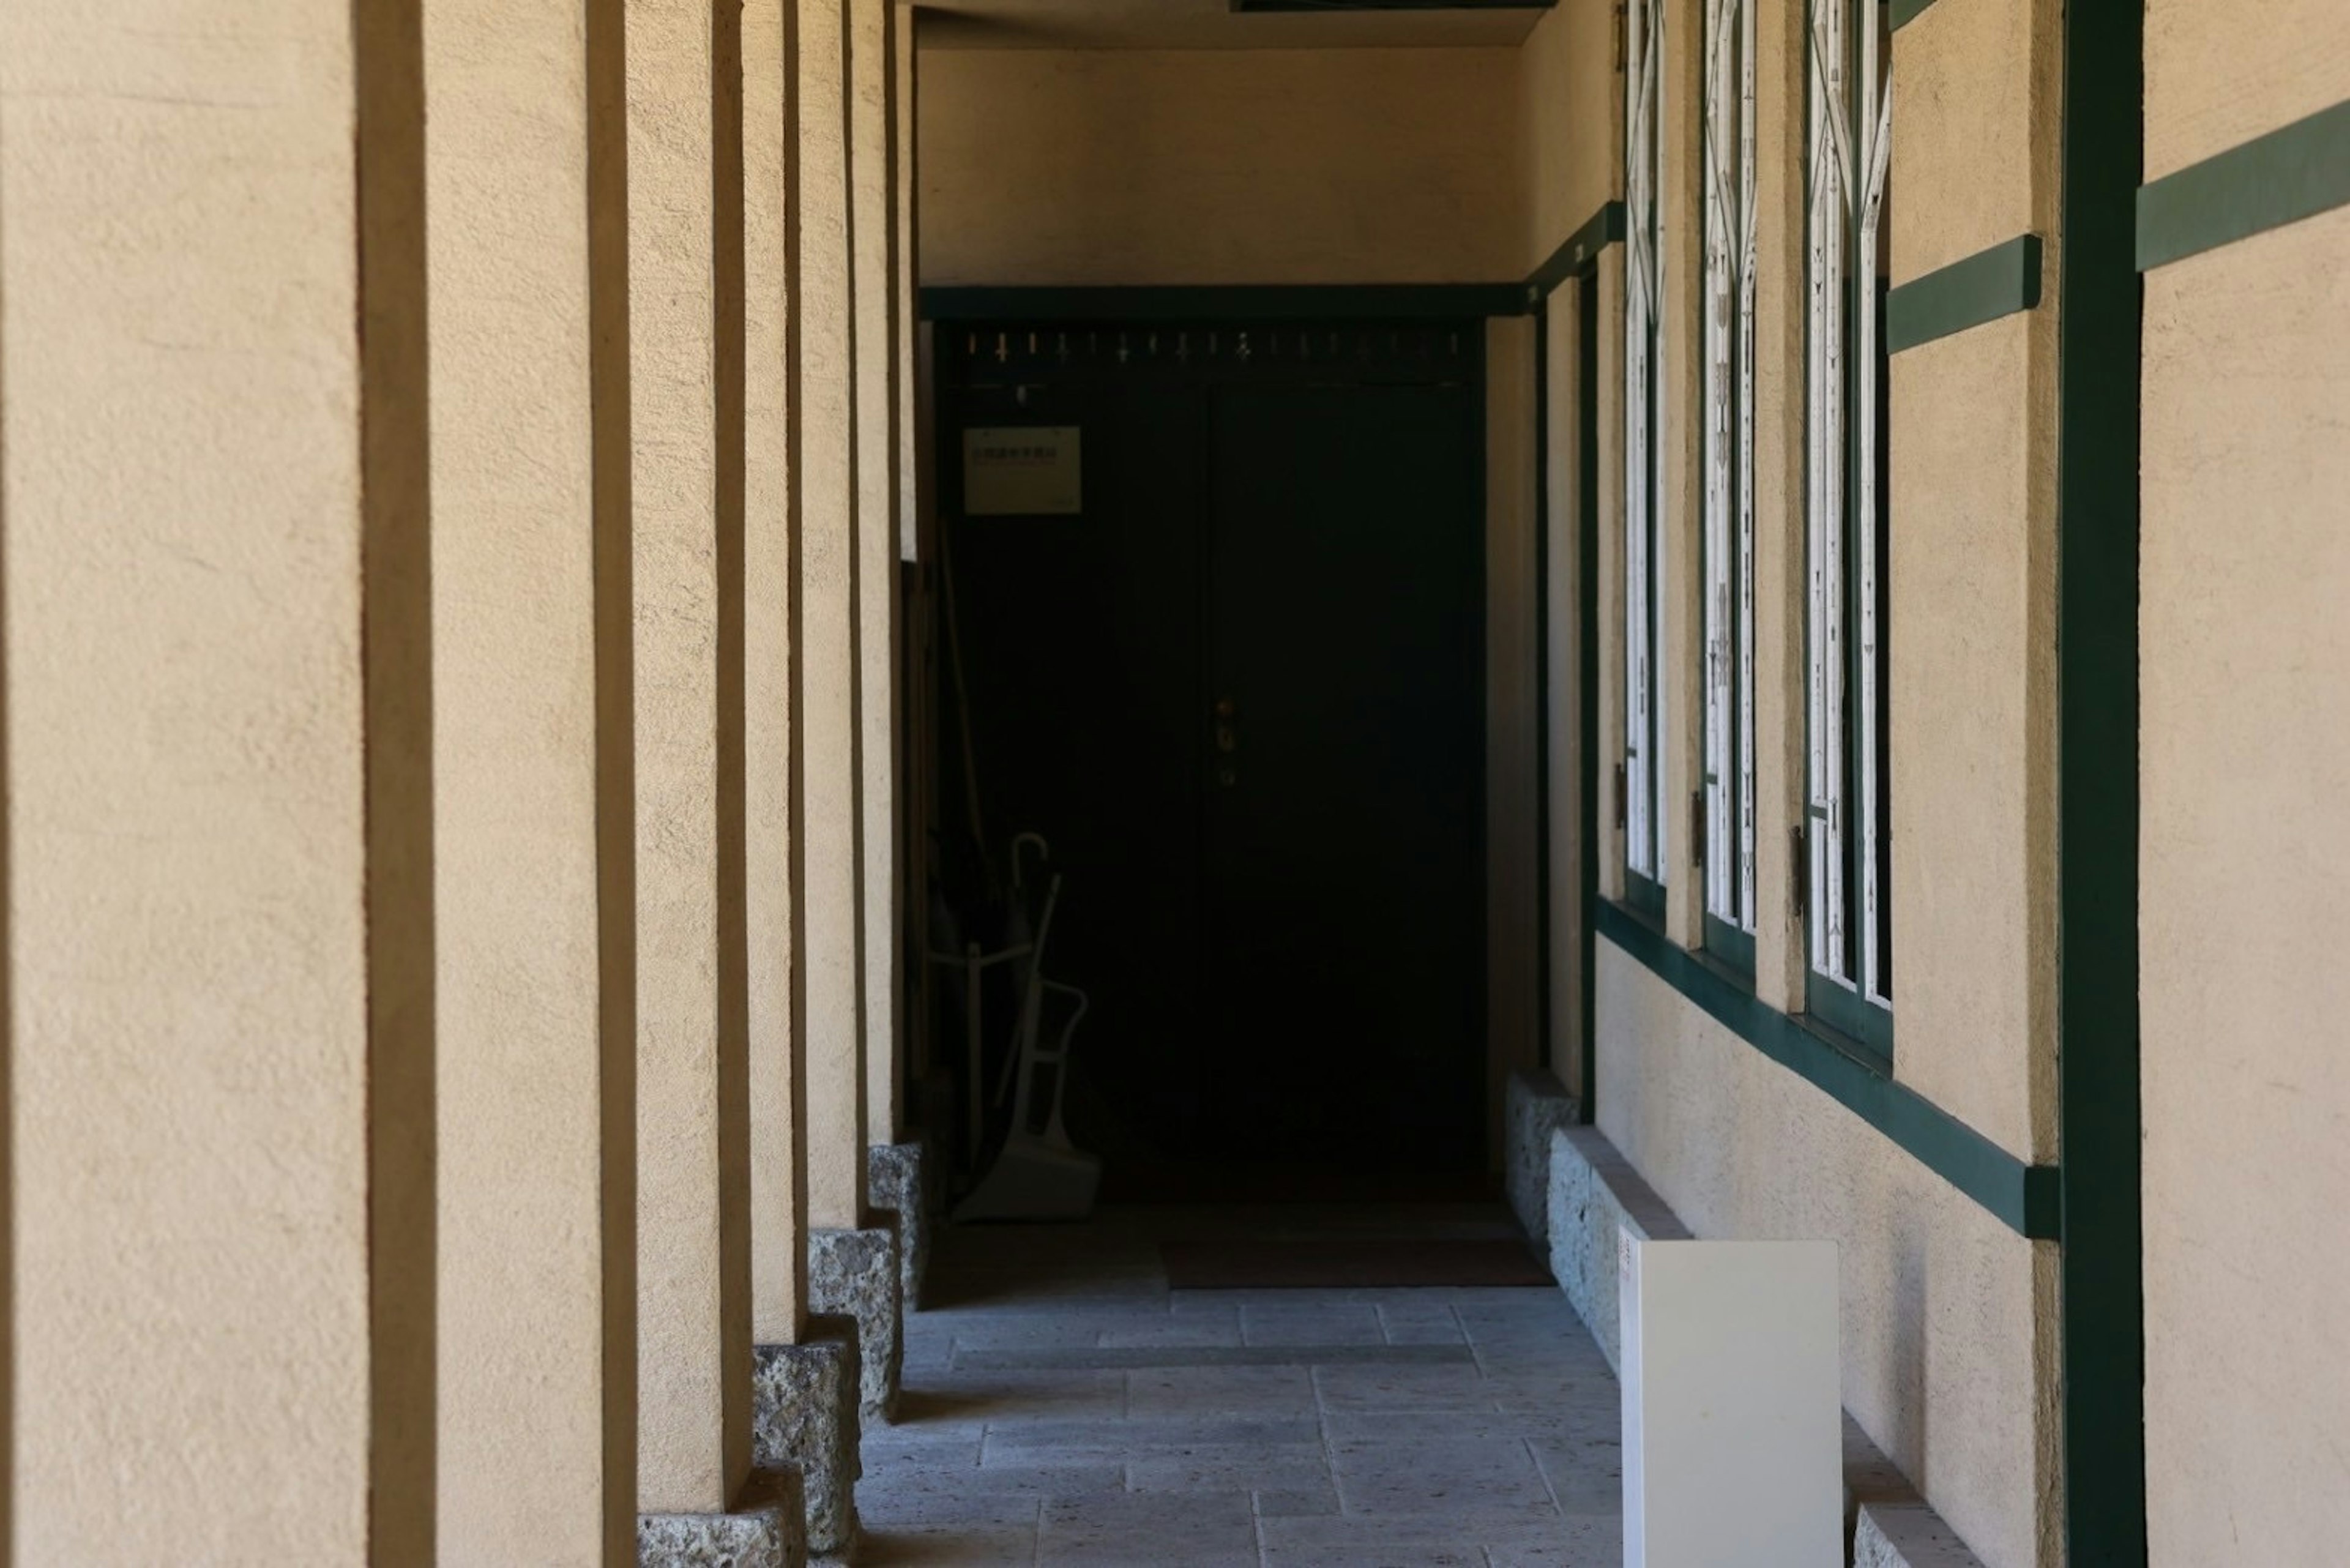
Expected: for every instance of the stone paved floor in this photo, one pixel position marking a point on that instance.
(1064, 1407)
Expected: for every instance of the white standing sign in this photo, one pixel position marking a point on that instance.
(1734, 1424)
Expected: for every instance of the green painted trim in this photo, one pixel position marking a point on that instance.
(2024, 1197)
(1644, 896)
(1901, 13)
(1580, 253)
(2099, 295)
(2001, 281)
(1841, 1011)
(1730, 947)
(2294, 173)
(1587, 671)
(1239, 302)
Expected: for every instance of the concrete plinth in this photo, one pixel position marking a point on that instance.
(854, 1272)
(896, 1177)
(1535, 1105)
(763, 1530)
(1595, 1194)
(804, 1415)
(1906, 1535)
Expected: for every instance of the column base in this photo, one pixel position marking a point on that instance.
(761, 1530)
(854, 1272)
(804, 1415)
(898, 1176)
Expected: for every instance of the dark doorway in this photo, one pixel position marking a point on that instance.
(1240, 689)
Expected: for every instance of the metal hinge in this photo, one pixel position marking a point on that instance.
(1623, 799)
(1622, 22)
(1799, 877)
(1697, 829)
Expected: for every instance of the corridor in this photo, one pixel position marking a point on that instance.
(1064, 1406)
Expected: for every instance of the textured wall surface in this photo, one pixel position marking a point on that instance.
(1973, 586)
(1570, 122)
(823, 467)
(694, 1351)
(1229, 167)
(219, 911)
(1948, 1314)
(2246, 790)
(522, 1276)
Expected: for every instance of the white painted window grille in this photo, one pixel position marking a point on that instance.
(1850, 121)
(1643, 550)
(1728, 430)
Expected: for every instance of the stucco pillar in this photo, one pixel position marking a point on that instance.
(873, 242)
(693, 1122)
(537, 1236)
(804, 1379)
(217, 663)
(823, 417)
(852, 1266)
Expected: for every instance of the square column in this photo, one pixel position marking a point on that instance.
(804, 1404)
(693, 1123)
(217, 660)
(537, 1236)
(852, 1265)
(873, 264)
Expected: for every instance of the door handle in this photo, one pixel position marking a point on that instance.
(1228, 742)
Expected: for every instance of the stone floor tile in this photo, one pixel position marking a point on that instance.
(1469, 1479)
(959, 1545)
(1283, 1470)
(1261, 1391)
(1340, 1542)
(1321, 1323)
(1456, 1386)
(1420, 1323)
(1147, 1530)
(1290, 1504)
(1150, 1436)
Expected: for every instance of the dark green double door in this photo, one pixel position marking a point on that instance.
(1241, 693)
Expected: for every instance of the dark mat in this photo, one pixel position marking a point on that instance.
(1351, 1262)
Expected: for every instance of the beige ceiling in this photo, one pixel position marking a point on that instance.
(1204, 25)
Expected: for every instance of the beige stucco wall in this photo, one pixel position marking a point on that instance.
(1949, 1315)
(825, 504)
(1976, 126)
(777, 1072)
(524, 1298)
(220, 1029)
(873, 191)
(1570, 123)
(2245, 788)
(1220, 167)
(1946, 1357)
(693, 1349)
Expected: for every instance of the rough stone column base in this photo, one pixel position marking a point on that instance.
(761, 1530)
(804, 1400)
(896, 1175)
(1537, 1104)
(854, 1272)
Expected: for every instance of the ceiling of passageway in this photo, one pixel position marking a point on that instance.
(1206, 24)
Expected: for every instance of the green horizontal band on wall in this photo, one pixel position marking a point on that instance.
(2001, 281)
(1602, 228)
(2024, 1197)
(1901, 13)
(2294, 173)
(1233, 302)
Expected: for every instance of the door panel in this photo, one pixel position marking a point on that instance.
(1287, 967)
(1344, 887)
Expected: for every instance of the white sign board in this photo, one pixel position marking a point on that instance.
(1734, 1424)
(1034, 470)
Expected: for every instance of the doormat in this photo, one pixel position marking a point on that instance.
(1351, 1262)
